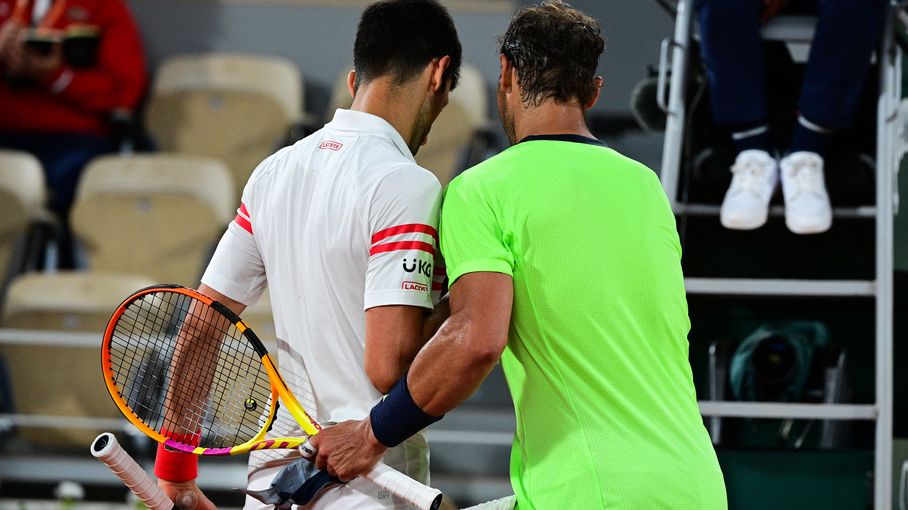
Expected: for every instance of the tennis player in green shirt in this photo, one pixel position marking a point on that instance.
(564, 263)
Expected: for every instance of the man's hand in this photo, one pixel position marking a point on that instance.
(9, 38)
(186, 495)
(28, 63)
(348, 449)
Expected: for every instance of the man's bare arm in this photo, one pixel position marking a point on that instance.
(186, 494)
(234, 306)
(456, 361)
(445, 372)
(393, 337)
(434, 320)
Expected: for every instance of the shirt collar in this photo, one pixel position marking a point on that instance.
(354, 120)
(565, 138)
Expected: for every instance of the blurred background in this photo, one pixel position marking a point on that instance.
(163, 108)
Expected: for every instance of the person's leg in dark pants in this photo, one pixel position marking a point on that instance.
(847, 33)
(732, 50)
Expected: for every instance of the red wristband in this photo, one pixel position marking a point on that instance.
(175, 466)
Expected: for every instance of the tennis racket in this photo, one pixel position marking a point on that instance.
(106, 449)
(190, 374)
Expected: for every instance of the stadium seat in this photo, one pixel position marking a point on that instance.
(236, 108)
(68, 302)
(157, 215)
(459, 137)
(22, 195)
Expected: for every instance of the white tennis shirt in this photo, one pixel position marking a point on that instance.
(342, 221)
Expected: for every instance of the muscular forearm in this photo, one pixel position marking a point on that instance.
(445, 373)
(452, 365)
(434, 320)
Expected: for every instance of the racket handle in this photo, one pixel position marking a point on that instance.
(397, 483)
(106, 449)
(404, 487)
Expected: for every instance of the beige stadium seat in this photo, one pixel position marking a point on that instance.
(236, 108)
(22, 196)
(157, 215)
(453, 134)
(56, 380)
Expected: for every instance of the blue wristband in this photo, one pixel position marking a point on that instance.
(397, 416)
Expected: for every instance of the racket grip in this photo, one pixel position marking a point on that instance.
(404, 487)
(106, 449)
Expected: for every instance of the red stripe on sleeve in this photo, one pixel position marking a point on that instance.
(243, 210)
(402, 245)
(412, 228)
(243, 222)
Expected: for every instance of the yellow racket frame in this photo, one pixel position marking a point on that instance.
(279, 388)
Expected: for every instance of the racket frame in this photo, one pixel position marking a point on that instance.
(279, 389)
(397, 483)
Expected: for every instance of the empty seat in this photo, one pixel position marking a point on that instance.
(236, 108)
(22, 196)
(61, 380)
(157, 215)
(68, 300)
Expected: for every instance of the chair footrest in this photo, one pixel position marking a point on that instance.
(779, 287)
(786, 410)
(776, 211)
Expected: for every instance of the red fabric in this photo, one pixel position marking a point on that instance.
(402, 245)
(244, 223)
(175, 466)
(405, 229)
(116, 81)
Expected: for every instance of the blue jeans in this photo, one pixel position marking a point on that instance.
(63, 156)
(846, 35)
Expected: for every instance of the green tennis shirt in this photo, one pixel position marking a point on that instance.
(597, 356)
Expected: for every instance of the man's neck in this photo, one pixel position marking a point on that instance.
(551, 118)
(391, 102)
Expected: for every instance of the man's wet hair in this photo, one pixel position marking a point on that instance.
(555, 49)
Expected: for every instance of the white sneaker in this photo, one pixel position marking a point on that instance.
(807, 209)
(746, 203)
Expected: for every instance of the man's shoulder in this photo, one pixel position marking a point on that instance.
(280, 158)
(485, 170)
(402, 177)
(494, 173)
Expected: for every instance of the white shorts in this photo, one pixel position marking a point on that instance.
(411, 457)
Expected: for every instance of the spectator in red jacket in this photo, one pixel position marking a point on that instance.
(66, 67)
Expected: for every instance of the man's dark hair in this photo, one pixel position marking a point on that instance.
(555, 49)
(400, 37)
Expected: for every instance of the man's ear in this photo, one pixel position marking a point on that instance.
(437, 78)
(599, 81)
(506, 81)
(351, 82)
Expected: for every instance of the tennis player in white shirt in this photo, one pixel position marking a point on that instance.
(341, 228)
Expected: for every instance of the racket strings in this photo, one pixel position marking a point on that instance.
(188, 372)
